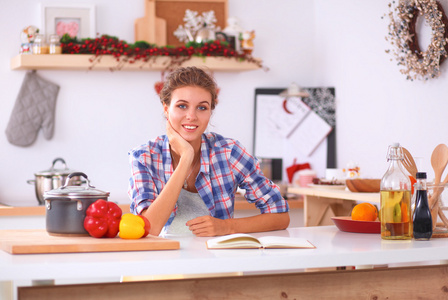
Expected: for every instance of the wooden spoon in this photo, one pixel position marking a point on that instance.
(409, 163)
(439, 160)
(434, 197)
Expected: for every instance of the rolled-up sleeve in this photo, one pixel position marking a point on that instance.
(142, 189)
(260, 190)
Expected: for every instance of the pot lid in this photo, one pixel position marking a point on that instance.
(67, 191)
(76, 192)
(64, 171)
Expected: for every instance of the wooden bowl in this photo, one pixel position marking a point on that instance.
(359, 185)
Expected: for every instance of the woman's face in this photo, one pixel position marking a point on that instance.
(189, 111)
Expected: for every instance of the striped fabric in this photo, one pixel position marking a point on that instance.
(225, 166)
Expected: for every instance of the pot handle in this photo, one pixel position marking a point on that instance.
(56, 160)
(77, 174)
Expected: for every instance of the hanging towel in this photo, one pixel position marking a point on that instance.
(34, 109)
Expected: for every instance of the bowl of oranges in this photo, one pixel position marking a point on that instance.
(363, 219)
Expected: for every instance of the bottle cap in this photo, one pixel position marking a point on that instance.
(421, 175)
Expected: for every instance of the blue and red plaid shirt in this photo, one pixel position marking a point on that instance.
(225, 166)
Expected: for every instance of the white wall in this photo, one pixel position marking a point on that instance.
(102, 115)
(376, 105)
(340, 43)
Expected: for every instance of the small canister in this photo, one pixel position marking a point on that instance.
(55, 44)
(40, 45)
(66, 207)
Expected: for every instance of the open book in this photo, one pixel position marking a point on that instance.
(247, 241)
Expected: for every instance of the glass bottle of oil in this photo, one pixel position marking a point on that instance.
(395, 208)
(422, 219)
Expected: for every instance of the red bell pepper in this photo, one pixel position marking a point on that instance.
(103, 219)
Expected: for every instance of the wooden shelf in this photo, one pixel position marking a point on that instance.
(83, 62)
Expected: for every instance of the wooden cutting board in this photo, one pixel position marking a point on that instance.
(35, 241)
(150, 28)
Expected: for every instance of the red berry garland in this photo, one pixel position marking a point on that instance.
(143, 51)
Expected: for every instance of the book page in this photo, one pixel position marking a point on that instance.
(284, 242)
(242, 240)
(238, 240)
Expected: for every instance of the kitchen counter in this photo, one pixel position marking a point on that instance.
(36, 210)
(193, 269)
(30, 208)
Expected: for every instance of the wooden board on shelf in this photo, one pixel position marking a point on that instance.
(150, 28)
(107, 62)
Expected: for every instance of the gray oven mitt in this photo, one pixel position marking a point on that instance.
(34, 109)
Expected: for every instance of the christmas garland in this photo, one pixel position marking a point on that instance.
(403, 36)
(142, 51)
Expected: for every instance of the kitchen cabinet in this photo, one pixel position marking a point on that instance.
(83, 62)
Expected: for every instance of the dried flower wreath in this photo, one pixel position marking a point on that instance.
(402, 35)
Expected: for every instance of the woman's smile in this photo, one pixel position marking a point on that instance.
(189, 111)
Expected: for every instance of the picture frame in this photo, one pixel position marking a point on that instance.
(75, 19)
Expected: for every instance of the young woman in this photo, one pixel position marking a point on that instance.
(185, 181)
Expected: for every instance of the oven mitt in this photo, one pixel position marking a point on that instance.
(34, 109)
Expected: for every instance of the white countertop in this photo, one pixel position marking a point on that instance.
(334, 248)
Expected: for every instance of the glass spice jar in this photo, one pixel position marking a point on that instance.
(40, 46)
(55, 44)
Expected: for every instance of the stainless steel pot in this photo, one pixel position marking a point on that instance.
(52, 179)
(66, 206)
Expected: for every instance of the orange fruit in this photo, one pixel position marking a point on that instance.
(364, 212)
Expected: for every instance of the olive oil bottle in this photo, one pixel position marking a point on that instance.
(395, 207)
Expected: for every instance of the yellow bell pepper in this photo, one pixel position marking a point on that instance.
(133, 226)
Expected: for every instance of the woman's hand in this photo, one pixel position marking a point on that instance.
(209, 226)
(178, 144)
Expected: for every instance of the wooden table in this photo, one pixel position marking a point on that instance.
(322, 203)
(402, 270)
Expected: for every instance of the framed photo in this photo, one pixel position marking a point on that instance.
(78, 20)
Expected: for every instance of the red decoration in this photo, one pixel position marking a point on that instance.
(129, 53)
(158, 86)
(295, 168)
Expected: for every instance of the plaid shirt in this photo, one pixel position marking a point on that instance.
(225, 166)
